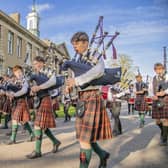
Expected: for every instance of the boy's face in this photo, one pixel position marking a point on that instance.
(80, 46)
(159, 70)
(18, 73)
(139, 79)
(38, 65)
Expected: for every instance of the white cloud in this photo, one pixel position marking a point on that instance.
(43, 7)
(140, 32)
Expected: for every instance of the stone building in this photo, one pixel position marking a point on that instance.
(17, 42)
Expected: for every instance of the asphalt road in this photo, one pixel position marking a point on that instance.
(134, 148)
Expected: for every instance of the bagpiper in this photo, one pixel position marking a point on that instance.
(160, 101)
(140, 104)
(92, 121)
(18, 93)
(44, 117)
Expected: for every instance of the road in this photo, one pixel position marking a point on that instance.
(134, 148)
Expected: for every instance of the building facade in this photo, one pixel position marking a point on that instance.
(17, 43)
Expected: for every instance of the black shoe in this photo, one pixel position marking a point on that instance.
(4, 127)
(163, 142)
(31, 139)
(33, 155)
(69, 118)
(55, 147)
(116, 133)
(11, 142)
(8, 133)
(141, 124)
(103, 162)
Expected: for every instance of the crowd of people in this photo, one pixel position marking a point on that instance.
(20, 95)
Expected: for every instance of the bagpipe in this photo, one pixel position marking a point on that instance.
(111, 75)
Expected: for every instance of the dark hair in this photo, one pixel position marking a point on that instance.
(39, 59)
(137, 76)
(80, 36)
(158, 64)
(17, 67)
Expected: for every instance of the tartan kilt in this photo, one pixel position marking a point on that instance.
(44, 116)
(140, 103)
(95, 124)
(7, 107)
(56, 105)
(157, 113)
(2, 101)
(165, 108)
(21, 111)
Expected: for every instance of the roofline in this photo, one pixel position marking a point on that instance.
(12, 22)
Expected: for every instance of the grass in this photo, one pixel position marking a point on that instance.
(60, 112)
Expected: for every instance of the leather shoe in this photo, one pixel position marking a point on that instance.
(55, 147)
(11, 142)
(33, 155)
(103, 162)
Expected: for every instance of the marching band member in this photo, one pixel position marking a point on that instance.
(114, 105)
(140, 104)
(131, 99)
(92, 122)
(20, 113)
(160, 101)
(5, 102)
(66, 100)
(44, 119)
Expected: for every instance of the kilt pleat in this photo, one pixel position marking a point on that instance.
(7, 107)
(160, 113)
(2, 101)
(95, 124)
(56, 105)
(140, 103)
(44, 116)
(21, 111)
(165, 108)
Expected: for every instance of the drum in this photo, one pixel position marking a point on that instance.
(131, 100)
(106, 92)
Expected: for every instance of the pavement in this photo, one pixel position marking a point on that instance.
(135, 148)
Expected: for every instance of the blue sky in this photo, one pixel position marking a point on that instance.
(143, 24)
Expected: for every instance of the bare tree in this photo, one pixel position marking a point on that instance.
(128, 69)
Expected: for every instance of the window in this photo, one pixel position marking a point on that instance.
(19, 47)
(37, 52)
(10, 42)
(1, 66)
(9, 71)
(29, 51)
(0, 31)
(31, 24)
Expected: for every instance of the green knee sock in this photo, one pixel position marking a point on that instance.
(51, 136)
(14, 132)
(142, 117)
(38, 135)
(27, 127)
(6, 121)
(85, 157)
(100, 152)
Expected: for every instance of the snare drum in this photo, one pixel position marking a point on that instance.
(105, 91)
(131, 100)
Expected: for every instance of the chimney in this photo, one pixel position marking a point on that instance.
(16, 17)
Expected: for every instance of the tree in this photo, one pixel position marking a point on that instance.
(128, 70)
